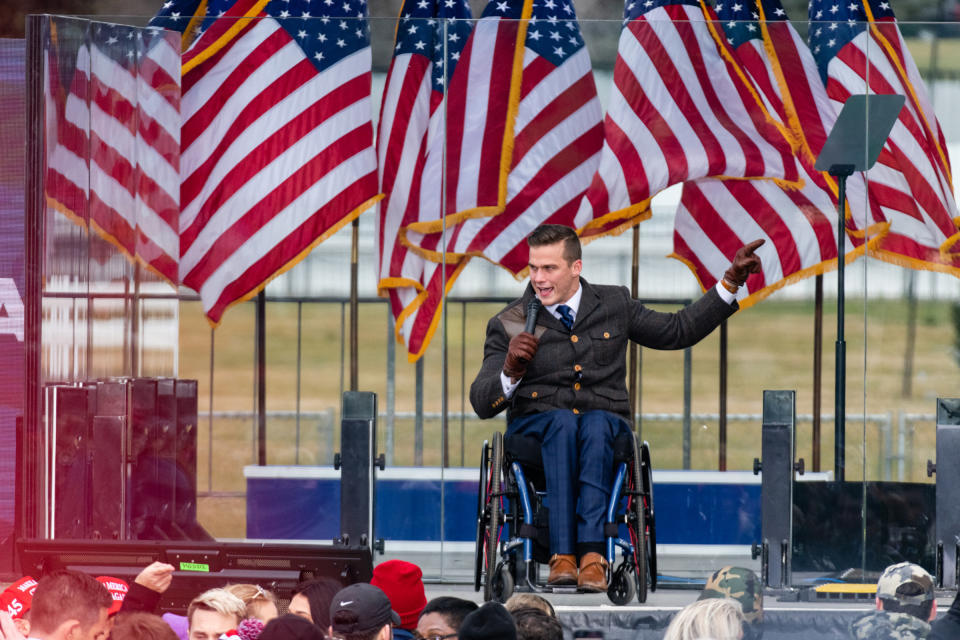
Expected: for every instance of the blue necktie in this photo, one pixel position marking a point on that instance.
(566, 315)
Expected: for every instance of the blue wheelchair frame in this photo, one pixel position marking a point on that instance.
(629, 578)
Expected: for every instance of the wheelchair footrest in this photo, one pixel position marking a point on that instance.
(563, 589)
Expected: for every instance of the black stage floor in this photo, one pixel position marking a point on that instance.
(783, 620)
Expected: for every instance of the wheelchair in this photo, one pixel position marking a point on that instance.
(512, 532)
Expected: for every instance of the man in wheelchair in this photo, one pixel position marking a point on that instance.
(561, 375)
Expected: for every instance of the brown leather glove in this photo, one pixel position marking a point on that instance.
(523, 347)
(744, 263)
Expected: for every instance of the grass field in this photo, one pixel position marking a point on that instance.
(770, 347)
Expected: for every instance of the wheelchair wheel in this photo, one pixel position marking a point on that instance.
(647, 471)
(623, 586)
(481, 517)
(494, 516)
(502, 583)
(637, 524)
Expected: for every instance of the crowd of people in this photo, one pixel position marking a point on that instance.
(68, 605)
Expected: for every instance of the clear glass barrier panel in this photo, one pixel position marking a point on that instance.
(106, 316)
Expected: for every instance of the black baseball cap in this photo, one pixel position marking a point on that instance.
(368, 604)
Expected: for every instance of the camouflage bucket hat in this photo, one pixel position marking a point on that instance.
(895, 578)
(740, 584)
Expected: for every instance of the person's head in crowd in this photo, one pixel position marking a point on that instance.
(213, 613)
(311, 600)
(141, 626)
(16, 600)
(361, 611)
(261, 603)
(714, 618)
(403, 583)
(442, 617)
(492, 621)
(69, 605)
(907, 588)
(535, 624)
(118, 591)
(291, 627)
(740, 584)
(529, 601)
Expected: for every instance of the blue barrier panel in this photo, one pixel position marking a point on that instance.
(302, 503)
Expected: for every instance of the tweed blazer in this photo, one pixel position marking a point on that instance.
(584, 369)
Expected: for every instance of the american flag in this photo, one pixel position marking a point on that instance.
(556, 138)
(910, 186)
(679, 110)
(716, 217)
(431, 35)
(277, 139)
(480, 99)
(115, 161)
(67, 172)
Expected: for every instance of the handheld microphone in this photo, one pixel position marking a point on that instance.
(533, 308)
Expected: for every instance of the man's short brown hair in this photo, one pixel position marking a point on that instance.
(141, 626)
(547, 234)
(67, 595)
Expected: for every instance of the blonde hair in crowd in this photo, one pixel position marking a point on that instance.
(219, 600)
(715, 618)
(254, 597)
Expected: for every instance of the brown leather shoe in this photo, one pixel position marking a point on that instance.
(563, 570)
(593, 573)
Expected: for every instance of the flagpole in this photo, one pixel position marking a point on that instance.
(354, 255)
(261, 341)
(444, 408)
(817, 368)
(722, 421)
(634, 348)
(135, 322)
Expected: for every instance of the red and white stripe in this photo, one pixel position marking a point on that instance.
(476, 112)
(114, 163)
(910, 184)
(275, 157)
(410, 152)
(717, 217)
(67, 127)
(558, 134)
(113, 150)
(158, 156)
(678, 111)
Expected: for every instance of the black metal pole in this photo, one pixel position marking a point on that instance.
(261, 331)
(29, 446)
(817, 368)
(906, 388)
(354, 308)
(135, 323)
(841, 172)
(722, 461)
(634, 348)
